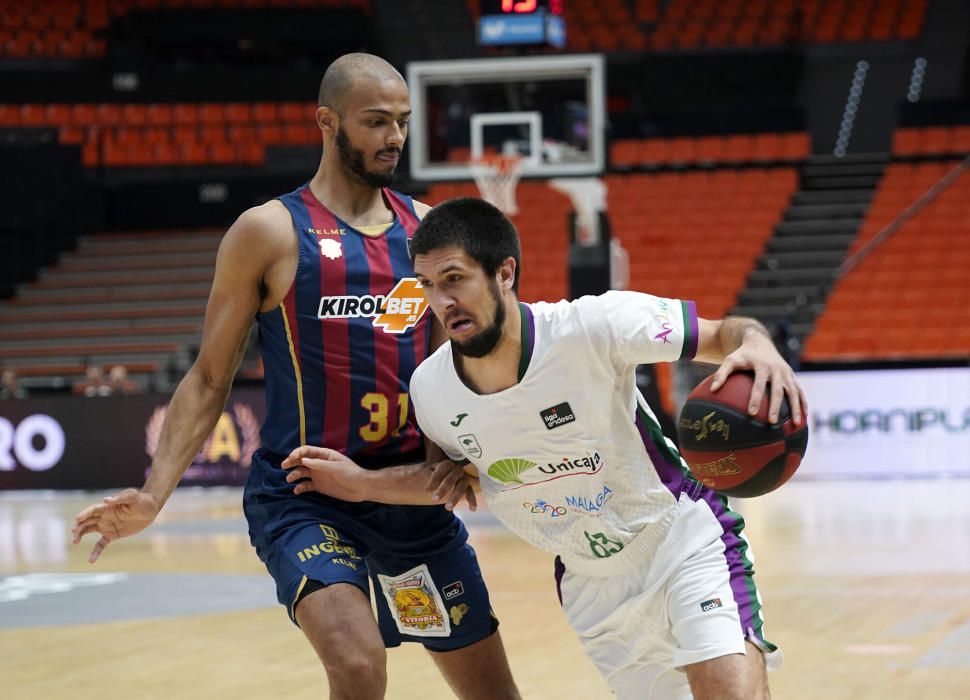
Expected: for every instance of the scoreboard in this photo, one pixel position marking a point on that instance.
(520, 7)
(521, 23)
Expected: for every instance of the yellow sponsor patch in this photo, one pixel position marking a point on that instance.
(414, 603)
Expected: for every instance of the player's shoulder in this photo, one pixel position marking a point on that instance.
(589, 315)
(260, 234)
(267, 222)
(603, 306)
(567, 312)
(268, 217)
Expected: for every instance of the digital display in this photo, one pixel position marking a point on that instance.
(520, 7)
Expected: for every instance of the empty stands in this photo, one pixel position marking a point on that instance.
(76, 30)
(135, 300)
(693, 235)
(731, 149)
(637, 25)
(910, 298)
(159, 134)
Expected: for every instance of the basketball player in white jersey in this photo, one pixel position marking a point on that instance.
(652, 568)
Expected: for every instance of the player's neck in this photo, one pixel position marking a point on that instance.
(499, 370)
(356, 203)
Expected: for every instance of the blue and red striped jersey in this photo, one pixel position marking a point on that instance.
(339, 352)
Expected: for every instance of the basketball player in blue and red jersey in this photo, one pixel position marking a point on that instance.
(325, 271)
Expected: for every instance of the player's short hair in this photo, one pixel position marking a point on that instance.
(343, 73)
(475, 226)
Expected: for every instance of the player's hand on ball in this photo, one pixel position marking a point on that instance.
(322, 470)
(449, 483)
(759, 354)
(121, 515)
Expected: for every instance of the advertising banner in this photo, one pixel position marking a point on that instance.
(77, 442)
(864, 424)
(888, 423)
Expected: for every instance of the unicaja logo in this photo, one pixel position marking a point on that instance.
(516, 472)
(589, 464)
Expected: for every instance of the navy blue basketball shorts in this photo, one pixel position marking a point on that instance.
(432, 594)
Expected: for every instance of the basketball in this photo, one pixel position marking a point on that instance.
(733, 452)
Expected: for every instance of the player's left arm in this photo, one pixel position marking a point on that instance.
(742, 343)
(322, 470)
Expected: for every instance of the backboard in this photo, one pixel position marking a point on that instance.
(551, 110)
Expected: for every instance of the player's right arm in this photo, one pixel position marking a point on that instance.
(249, 256)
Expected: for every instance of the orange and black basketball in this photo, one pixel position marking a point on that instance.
(733, 452)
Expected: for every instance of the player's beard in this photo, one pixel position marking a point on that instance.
(483, 342)
(353, 160)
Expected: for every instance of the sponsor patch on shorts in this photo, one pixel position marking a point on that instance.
(458, 612)
(711, 604)
(415, 604)
(453, 590)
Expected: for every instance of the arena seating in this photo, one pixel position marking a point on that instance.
(932, 141)
(909, 297)
(707, 150)
(635, 25)
(75, 30)
(134, 300)
(678, 226)
(161, 134)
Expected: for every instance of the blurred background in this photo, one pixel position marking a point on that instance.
(799, 161)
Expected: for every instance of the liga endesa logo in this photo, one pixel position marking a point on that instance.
(395, 312)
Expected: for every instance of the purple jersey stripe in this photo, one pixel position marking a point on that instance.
(678, 480)
(560, 570)
(691, 330)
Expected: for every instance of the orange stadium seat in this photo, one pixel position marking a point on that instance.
(57, 114)
(212, 113)
(186, 113)
(108, 114)
(9, 115)
(84, 115)
(923, 261)
(159, 114)
(294, 112)
(265, 112)
(134, 114)
(32, 115)
(238, 113)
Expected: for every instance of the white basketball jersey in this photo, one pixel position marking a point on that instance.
(571, 458)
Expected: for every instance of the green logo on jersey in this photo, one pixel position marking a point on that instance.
(458, 419)
(508, 470)
(601, 545)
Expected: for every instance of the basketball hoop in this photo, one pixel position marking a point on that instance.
(497, 177)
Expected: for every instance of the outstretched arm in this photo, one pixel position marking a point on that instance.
(201, 395)
(436, 481)
(741, 343)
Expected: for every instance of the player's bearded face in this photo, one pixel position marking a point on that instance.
(352, 159)
(483, 342)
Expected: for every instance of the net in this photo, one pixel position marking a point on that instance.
(497, 177)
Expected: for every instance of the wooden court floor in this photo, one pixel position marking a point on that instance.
(866, 588)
